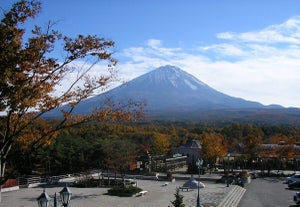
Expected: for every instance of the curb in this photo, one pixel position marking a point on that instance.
(233, 198)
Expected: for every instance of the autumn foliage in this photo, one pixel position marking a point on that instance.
(214, 146)
(31, 74)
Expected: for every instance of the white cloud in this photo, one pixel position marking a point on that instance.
(154, 43)
(225, 35)
(79, 68)
(260, 66)
(287, 32)
(225, 49)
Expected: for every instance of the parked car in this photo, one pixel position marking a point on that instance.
(295, 184)
(293, 178)
(253, 175)
(226, 179)
(297, 198)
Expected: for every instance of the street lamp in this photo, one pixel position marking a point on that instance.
(262, 166)
(44, 200)
(65, 196)
(199, 164)
(228, 156)
(55, 201)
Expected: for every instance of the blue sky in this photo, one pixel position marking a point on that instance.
(244, 48)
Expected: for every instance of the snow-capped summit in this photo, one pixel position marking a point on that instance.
(173, 75)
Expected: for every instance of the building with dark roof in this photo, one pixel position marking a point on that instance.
(191, 149)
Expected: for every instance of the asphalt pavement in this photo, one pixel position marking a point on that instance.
(158, 195)
(268, 192)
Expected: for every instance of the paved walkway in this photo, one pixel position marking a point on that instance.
(157, 196)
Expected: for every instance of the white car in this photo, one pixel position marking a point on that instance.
(293, 178)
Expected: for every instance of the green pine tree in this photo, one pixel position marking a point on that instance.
(178, 202)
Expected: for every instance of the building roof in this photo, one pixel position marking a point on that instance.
(193, 144)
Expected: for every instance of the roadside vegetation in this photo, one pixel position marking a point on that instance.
(115, 147)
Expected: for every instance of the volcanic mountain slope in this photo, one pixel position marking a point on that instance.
(170, 92)
(169, 88)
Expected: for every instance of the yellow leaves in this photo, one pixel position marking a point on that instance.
(214, 145)
(161, 143)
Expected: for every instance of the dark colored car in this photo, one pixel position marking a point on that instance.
(297, 198)
(295, 184)
(226, 179)
(293, 178)
(253, 175)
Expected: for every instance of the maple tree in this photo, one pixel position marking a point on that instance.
(31, 75)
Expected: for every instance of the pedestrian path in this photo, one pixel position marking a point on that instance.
(158, 195)
(233, 198)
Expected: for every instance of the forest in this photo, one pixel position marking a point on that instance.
(116, 146)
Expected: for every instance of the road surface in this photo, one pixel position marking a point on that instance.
(268, 192)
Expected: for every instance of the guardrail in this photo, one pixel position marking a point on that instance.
(27, 182)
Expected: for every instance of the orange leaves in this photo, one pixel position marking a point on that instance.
(35, 134)
(21, 11)
(214, 145)
(30, 74)
(282, 139)
(91, 45)
(283, 146)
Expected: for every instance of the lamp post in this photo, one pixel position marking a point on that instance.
(55, 201)
(262, 167)
(199, 164)
(44, 200)
(227, 180)
(65, 196)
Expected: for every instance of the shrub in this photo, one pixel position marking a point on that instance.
(124, 191)
(86, 182)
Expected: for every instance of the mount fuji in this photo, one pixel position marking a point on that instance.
(171, 93)
(170, 88)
